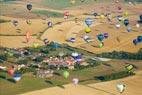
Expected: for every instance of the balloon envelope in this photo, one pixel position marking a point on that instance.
(88, 21)
(10, 72)
(126, 22)
(17, 77)
(66, 74)
(87, 30)
(100, 37)
(139, 38)
(29, 6)
(120, 87)
(135, 41)
(75, 81)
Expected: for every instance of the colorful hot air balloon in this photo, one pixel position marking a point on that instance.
(100, 37)
(17, 77)
(139, 38)
(10, 72)
(50, 24)
(78, 58)
(129, 29)
(120, 87)
(87, 30)
(88, 21)
(126, 14)
(106, 35)
(15, 23)
(29, 6)
(129, 68)
(126, 22)
(72, 40)
(46, 41)
(135, 41)
(29, 22)
(66, 74)
(66, 15)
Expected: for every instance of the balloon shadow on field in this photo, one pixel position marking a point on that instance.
(61, 86)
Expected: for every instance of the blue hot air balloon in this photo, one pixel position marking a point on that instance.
(129, 29)
(135, 41)
(100, 37)
(88, 21)
(17, 76)
(126, 22)
(78, 58)
(139, 38)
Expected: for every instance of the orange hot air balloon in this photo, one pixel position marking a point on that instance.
(28, 36)
(10, 72)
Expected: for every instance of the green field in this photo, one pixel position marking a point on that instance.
(63, 3)
(49, 13)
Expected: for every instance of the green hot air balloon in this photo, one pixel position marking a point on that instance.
(66, 74)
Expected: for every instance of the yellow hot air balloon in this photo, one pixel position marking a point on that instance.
(72, 1)
(87, 30)
(35, 45)
(126, 14)
(102, 16)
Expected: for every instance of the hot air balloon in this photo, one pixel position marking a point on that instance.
(28, 36)
(74, 54)
(46, 41)
(126, 22)
(35, 45)
(129, 29)
(15, 23)
(139, 38)
(72, 39)
(100, 37)
(135, 41)
(72, 1)
(87, 30)
(29, 22)
(78, 58)
(137, 25)
(106, 35)
(126, 14)
(117, 26)
(102, 16)
(140, 18)
(17, 77)
(29, 6)
(88, 21)
(95, 14)
(100, 45)
(10, 72)
(49, 24)
(66, 74)
(75, 81)
(120, 87)
(66, 15)
(129, 68)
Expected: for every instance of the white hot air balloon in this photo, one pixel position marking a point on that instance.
(75, 81)
(120, 87)
(117, 26)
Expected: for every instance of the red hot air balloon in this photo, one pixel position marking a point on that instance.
(10, 72)
(28, 36)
